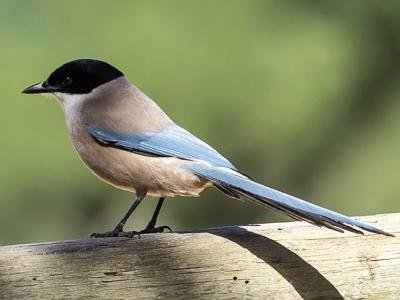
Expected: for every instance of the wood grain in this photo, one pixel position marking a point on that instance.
(290, 260)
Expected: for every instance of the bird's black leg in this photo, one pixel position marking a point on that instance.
(117, 231)
(150, 228)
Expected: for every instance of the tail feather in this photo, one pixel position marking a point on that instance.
(298, 215)
(239, 186)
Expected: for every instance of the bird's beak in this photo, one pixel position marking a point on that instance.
(38, 88)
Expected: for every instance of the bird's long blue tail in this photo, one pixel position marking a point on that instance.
(239, 186)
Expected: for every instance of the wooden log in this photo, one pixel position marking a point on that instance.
(291, 260)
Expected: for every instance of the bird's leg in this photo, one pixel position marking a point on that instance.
(150, 228)
(118, 230)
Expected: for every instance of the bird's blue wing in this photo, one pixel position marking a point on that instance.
(172, 141)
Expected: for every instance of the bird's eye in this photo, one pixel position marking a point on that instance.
(67, 81)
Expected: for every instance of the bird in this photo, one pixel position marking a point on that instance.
(129, 142)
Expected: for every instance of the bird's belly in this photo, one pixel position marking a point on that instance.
(158, 176)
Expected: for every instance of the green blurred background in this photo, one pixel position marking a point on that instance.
(301, 95)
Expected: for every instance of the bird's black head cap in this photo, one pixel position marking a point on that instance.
(81, 76)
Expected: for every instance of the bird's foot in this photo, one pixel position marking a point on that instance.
(115, 233)
(152, 229)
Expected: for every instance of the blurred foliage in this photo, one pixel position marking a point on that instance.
(301, 95)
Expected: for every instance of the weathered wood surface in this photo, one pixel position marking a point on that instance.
(272, 261)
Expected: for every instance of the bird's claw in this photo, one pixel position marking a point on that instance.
(115, 233)
(152, 229)
(131, 234)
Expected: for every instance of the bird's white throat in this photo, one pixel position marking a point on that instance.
(70, 103)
